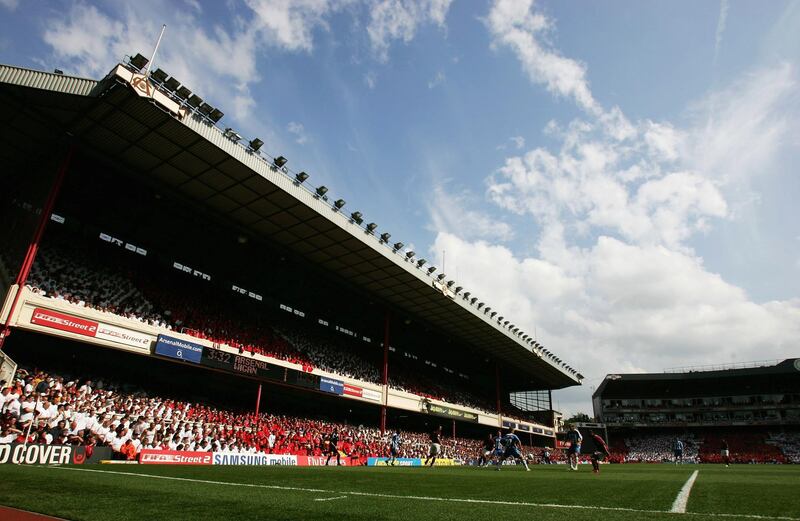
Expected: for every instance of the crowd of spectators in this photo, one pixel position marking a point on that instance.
(157, 299)
(745, 446)
(659, 448)
(788, 443)
(37, 407)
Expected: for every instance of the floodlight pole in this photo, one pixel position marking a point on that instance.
(33, 246)
(146, 70)
(385, 371)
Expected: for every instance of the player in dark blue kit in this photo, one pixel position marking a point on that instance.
(575, 439)
(677, 450)
(513, 448)
(394, 447)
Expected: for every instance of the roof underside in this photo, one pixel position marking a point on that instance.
(196, 160)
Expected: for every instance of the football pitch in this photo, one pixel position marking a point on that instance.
(629, 492)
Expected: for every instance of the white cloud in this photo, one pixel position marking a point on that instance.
(454, 213)
(371, 79)
(627, 308)
(721, 22)
(399, 20)
(299, 131)
(289, 25)
(741, 129)
(513, 24)
(9, 4)
(89, 42)
(614, 286)
(437, 80)
(518, 141)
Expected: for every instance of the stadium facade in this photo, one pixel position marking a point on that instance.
(765, 395)
(132, 182)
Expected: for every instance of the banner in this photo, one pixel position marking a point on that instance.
(329, 385)
(241, 364)
(352, 390)
(445, 462)
(259, 458)
(181, 349)
(69, 323)
(120, 335)
(450, 412)
(174, 457)
(35, 454)
(302, 379)
(319, 461)
(369, 394)
(90, 328)
(401, 462)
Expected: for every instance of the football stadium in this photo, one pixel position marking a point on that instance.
(194, 330)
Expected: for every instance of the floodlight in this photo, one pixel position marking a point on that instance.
(139, 61)
(183, 93)
(159, 75)
(172, 84)
(371, 227)
(450, 283)
(280, 161)
(339, 203)
(397, 246)
(410, 254)
(421, 263)
(357, 217)
(385, 237)
(441, 276)
(431, 269)
(321, 191)
(458, 289)
(205, 109)
(215, 115)
(195, 101)
(256, 144)
(301, 177)
(232, 135)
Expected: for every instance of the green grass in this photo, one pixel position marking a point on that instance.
(121, 493)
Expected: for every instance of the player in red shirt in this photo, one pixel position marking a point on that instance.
(600, 453)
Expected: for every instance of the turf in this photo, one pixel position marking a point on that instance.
(626, 492)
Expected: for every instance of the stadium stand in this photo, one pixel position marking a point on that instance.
(138, 292)
(46, 408)
(330, 300)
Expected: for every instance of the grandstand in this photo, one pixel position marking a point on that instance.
(151, 244)
(755, 408)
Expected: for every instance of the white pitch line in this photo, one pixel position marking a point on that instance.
(330, 498)
(429, 498)
(679, 505)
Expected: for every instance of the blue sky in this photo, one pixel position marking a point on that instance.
(618, 176)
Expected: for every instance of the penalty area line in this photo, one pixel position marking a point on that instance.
(679, 505)
(329, 498)
(422, 498)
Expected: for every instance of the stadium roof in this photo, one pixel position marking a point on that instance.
(661, 385)
(156, 138)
